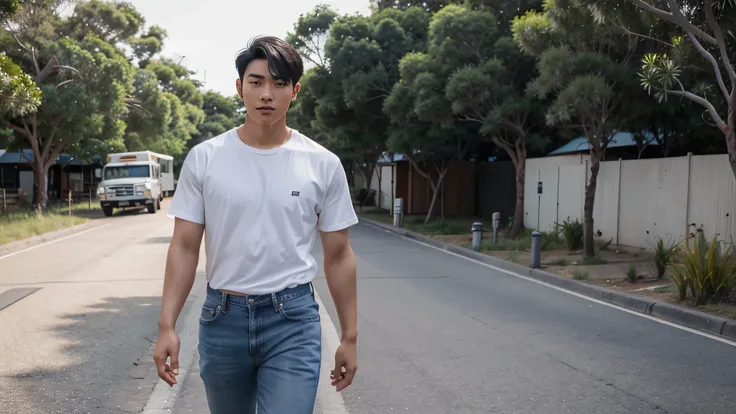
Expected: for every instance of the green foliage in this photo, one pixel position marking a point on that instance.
(310, 33)
(593, 261)
(572, 233)
(631, 274)
(663, 255)
(580, 275)
(19, 94)
(707, 269)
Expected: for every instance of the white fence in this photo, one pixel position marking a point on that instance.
(381, 184)
(636, 201)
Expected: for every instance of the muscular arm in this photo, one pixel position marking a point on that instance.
(181, 268)
(339, 265)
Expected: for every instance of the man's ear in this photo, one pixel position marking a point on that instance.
(297, 88)
(239, 88)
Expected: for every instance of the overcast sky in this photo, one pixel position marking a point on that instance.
(210, 33)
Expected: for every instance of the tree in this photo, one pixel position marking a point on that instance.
(422, 126)
(85, 83)
(310, 33)
(171, 109)
(705, 23)
(492, 95)
(363, 54)
(428, 5)
(19, 94)
(587, 70)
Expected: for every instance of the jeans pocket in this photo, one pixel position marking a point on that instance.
(302, 309)
(209, 314)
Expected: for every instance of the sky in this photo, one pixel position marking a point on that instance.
(208, 34)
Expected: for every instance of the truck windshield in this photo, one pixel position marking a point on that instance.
(112, 173)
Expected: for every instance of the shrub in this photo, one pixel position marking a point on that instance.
(580, 275)
(663, 254)
(631, 274)
(708, 269)
(572, 232)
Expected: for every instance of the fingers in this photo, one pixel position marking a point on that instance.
(175, 361)
(342, 376)
(344, 380)
(165, 371)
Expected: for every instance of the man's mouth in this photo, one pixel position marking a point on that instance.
(266, 108)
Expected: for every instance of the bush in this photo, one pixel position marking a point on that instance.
(631, 274)
(707, 269)
(578, 275)
(572, 232)
(663, 254)
(363, 197)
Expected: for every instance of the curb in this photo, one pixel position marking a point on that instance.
(711, 324)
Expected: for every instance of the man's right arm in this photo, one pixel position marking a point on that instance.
(187, 208)
(181, 268)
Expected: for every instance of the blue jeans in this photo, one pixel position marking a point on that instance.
(260, 351)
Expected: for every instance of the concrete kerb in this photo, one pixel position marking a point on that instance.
(671, 313)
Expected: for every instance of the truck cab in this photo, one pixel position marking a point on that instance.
(131, 180)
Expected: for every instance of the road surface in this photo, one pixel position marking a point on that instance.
(438, 334)
(441, 334)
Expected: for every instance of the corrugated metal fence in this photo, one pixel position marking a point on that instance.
(637, 201)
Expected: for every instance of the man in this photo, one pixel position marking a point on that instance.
(261, 191)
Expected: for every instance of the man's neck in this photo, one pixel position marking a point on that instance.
(263, 136)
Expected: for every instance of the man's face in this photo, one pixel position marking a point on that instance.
(266, 99)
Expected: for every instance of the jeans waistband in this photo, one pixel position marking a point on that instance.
(250, 301)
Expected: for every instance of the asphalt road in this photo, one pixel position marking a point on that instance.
(441, 334)
(83, 342)
(438, 334)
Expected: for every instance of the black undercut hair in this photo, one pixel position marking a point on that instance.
(283, 60)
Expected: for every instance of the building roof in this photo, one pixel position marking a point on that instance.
(388, 158)
(26, 156)
(619, 140)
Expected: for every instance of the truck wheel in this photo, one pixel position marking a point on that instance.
(152, 207)
(107, 211)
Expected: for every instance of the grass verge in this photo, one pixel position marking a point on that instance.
(21, 225)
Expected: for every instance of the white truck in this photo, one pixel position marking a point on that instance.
(135, 179)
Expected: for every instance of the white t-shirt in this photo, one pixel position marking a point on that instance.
(262, 208)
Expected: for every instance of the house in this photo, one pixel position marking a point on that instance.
(67, 173)
(395, 177)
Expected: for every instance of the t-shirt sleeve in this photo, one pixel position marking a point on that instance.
(337, 211)
(188, 203)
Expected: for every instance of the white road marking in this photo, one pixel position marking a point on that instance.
(53, 241)
(600, 302)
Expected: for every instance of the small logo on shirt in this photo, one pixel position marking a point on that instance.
(295, 194)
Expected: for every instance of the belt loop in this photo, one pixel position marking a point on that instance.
(311, 289)
(224, 302)
(275, 301)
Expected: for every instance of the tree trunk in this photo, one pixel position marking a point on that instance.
(436, 189)
(40, 188)
(731, 145)
(518, 224)
(588, 240)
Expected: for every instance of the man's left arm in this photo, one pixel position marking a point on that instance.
(340, 271)
(336, 216)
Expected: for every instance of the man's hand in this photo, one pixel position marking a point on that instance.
(346, 364)
(167, 346)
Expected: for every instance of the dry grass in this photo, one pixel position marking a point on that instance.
(21, 225)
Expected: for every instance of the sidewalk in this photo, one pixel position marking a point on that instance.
(191, 399)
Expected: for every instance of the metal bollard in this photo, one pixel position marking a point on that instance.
(398, 212)
(536, 249)
(477, 230)
(496, 224)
